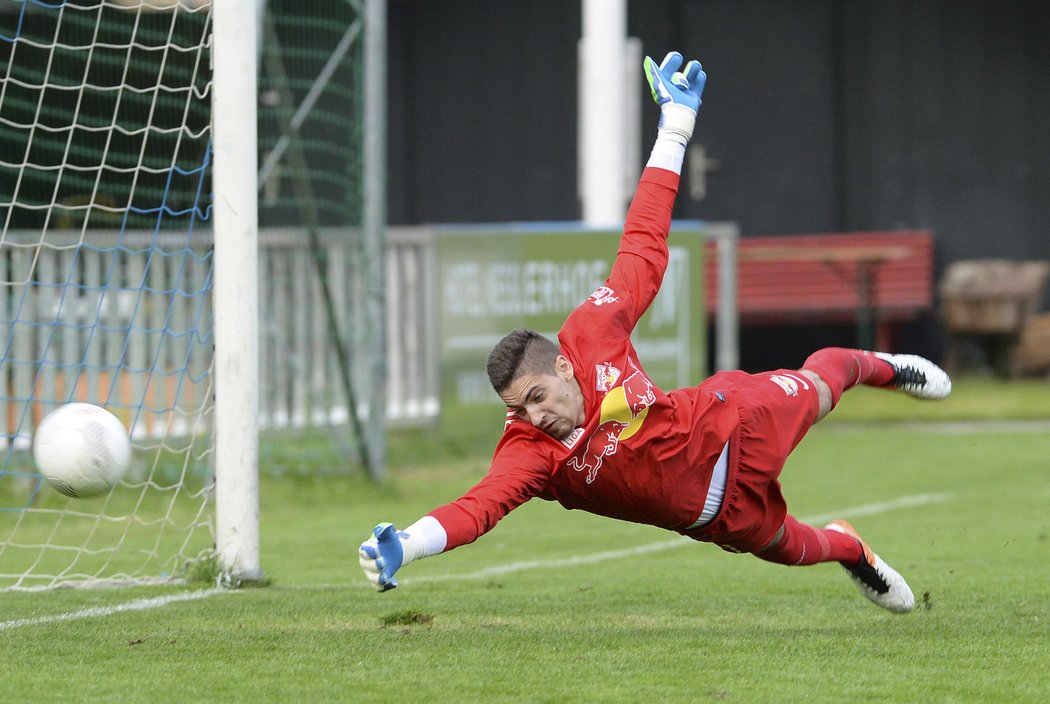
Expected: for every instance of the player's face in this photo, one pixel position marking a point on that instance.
(552, 402)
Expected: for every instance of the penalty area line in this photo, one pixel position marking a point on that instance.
(97, 611)
(577, 560)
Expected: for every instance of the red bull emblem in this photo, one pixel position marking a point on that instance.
(638, 391)
(623, 411)
(605, 377)
(604, 442)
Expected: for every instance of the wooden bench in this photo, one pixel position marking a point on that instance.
(877, 280)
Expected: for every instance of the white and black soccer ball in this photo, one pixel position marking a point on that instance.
(81, 449)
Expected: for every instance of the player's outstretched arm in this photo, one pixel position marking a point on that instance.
(642, 258)
(389, 549)
(511, 481)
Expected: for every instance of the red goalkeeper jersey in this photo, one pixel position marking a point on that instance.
(643, 454)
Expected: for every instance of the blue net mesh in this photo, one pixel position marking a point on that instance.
(105, 279)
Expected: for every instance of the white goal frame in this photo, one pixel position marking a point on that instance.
(236, 293)
(138, 67)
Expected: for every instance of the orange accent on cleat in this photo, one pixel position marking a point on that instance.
(843, 526)
(877, 581)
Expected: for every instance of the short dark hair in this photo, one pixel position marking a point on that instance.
(519, 352)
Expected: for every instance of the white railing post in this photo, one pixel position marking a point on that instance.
(727, 334)
(373, 227)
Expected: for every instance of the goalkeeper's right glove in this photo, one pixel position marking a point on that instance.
(381, 556)
(388, 550)
(676, 92)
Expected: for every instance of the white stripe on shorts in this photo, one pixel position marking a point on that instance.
(715, 492)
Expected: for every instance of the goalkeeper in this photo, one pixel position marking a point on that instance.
(587, 428)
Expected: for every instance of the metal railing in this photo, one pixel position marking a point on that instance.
(299, 365)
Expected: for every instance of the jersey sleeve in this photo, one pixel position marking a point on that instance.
(641, 259)
(514, 478)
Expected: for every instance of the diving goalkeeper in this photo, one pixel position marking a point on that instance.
(586, 427)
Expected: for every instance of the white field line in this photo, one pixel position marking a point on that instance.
(94, 612)
(496, 570)
(590, 559)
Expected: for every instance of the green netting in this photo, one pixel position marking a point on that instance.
(302, 61)
(311, 150)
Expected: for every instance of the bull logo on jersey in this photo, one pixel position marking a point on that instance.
(623, 411)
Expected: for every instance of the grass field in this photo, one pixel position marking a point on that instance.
(558, 606)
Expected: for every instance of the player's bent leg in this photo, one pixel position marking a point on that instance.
(799, 544)
(877, 581)
(842, 369)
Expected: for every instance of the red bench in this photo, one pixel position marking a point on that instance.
(875, 279)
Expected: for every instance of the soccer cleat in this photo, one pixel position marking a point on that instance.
(917, 376)
(876, 580)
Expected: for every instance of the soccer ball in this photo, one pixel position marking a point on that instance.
(81, 449)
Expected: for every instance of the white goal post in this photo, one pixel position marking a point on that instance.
(236, 296)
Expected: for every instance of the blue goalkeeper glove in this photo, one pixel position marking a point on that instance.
(676, 92)
(381, 556)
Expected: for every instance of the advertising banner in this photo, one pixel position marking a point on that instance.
(496, 279)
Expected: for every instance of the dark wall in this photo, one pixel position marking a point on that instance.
(946, 107)
(823, 115)
(769, 113)
(482, 110)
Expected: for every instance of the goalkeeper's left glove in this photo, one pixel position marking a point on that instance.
(677, 93)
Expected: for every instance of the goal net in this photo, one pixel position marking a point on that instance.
(106, 270)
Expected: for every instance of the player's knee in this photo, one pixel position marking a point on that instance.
(825, 399)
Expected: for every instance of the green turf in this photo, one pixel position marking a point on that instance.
(683, 623)
(973, 398)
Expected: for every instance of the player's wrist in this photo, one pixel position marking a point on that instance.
(423, 538)
(677, 122)
(411, 546)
